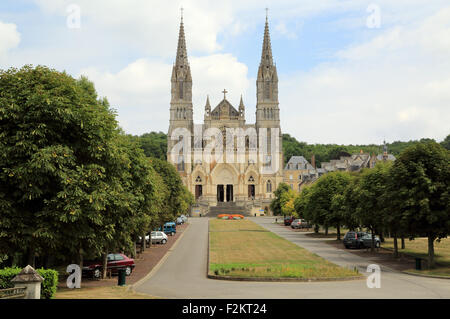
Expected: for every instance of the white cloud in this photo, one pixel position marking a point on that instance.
(394, 87)
(141, 91)
(152, 25)
(9, 37)
(392, 83)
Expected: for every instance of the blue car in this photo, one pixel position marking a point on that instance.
(170, 228)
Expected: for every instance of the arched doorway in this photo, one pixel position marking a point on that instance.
(225, 178)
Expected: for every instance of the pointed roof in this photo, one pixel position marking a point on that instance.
(208, 105)
(241, 103)
(182, 57)
(266, 55)
(224, 110)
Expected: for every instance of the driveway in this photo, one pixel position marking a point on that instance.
(183, 274)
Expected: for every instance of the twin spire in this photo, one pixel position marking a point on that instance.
(181, 69)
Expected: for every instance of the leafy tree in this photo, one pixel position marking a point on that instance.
(446, 143)
(175, 202)
(324, 205)
(276, 204)
(55, 137)
(154, 144)
(287, 202)
(420, 178)
(370, 208)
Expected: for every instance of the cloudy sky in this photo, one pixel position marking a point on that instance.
(350, 71)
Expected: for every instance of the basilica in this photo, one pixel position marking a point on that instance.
(226, 184)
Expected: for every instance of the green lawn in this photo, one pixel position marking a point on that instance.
(419, 248)
(242, 248)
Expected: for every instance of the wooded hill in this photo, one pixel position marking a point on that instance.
(154, 144)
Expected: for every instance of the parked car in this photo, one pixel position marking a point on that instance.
(300, 223)
(180, 221)
(288, 220)
(170, 228)
(147, 239)
(159, 237)
(296, 223)
(115, 262)
(353, 239)
(184, 218)
(366, 241)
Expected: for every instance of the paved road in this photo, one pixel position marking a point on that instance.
(183, 274)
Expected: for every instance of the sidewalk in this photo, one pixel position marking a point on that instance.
(144, 264)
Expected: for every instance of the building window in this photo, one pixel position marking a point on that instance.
(292, 187)
(198, 179)
(290, 177)
(267, 90)
(251, 179)
(181, 90)
(269, 187)
(180, 163)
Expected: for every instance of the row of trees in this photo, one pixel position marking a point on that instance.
(408, 198)
(72, 184)
(327, 152)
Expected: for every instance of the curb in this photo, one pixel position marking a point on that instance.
(159, 264)
(271, 279)
(423, 275)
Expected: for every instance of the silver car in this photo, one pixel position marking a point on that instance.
(159, 237)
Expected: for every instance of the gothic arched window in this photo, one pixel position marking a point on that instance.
(267, 90)
(181, 90)
(251, 179)
(269, 187)
(198, 179)
(180, 163)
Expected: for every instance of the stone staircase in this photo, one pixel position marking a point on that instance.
(226, 208)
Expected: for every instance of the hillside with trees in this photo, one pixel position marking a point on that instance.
(154, 144)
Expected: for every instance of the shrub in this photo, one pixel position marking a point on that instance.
(6, 275)
(48, 286)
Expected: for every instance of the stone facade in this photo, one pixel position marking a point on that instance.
(246, 183)
(298, 172)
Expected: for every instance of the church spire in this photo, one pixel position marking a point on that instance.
(267, 111)
(266, 56)
(182, 57)
(241, 107)
(208, 105)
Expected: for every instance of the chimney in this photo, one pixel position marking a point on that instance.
(313, 160)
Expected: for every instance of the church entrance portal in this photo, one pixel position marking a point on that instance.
(198, 191)
(223, 196)
(251, 191)
(229, 193)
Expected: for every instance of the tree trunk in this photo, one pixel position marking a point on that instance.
(80, 258)
(338, 231)
(372, 248)
(431, 238)
(395, 246)
(316, 229)
(133, 253)
(143, 243)
(105, 265)
(326, 230)
(381, 237)
(31, 257)
(403, 243)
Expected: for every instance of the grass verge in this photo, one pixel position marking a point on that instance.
(241, 248)
(419, 248)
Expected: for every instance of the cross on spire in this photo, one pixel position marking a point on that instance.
(267, 14)
(181, 9)
(224, 93)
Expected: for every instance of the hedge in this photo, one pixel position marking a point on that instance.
(48, 286)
